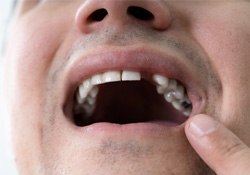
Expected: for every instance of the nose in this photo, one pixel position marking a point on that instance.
(94, 15)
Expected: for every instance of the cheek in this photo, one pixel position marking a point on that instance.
(31, 48)
(224, 33)
(227, 44)
(228, 50)
(226, 41)
(30, 52)
(34, 46)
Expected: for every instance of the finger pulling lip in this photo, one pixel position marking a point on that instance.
(82, 65)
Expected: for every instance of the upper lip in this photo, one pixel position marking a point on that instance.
(84, 64)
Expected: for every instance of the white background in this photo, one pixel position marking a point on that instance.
(6, 159)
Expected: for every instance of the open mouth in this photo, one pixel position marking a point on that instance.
(125, 96)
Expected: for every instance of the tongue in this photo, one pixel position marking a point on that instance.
(132, 102)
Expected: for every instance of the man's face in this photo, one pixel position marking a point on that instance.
(123, 127)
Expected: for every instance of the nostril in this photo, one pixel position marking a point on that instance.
(140, 13)
(98, 15)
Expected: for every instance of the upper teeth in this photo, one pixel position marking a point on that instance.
(171, 89)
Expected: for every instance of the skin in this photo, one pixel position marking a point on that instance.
(44, 34)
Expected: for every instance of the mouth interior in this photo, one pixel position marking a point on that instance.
(130, 102)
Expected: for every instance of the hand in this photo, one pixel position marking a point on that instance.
(223, 151)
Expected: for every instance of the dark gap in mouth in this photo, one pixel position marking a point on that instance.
(130, 102)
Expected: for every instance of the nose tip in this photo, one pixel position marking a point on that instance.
(96, 14)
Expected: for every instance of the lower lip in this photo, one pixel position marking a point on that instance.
(147, 128)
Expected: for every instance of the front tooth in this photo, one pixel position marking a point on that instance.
(112, 76)
(84, 88)
(131, 76)
(161, 80)
(97, 79)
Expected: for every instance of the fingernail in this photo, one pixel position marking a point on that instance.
(202, 125)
